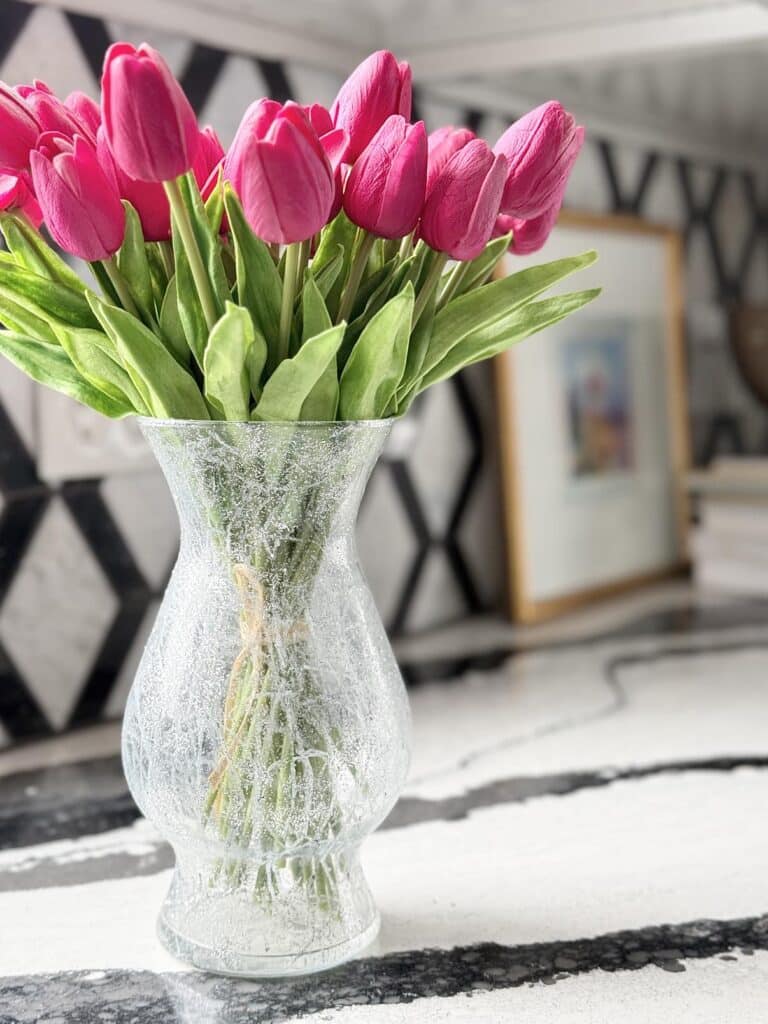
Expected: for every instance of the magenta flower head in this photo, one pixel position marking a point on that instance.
(148, 198)
(541, 149)
(18, 130)
(462, 206)
(150, 126)
(16, 195)
(385, 189)
(80, 205)
(210, 153)
(376, 89)
(51, 114)
(528, 236)
(86, 110)
(443, 143)
(280, 170)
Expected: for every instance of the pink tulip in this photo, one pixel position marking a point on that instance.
(541, 149)
(16, 194)
(150, 126)
(376, 89)
(86, 110)
(279, 169)
(530, 235)
(148, 198)
(18, 130)
(385, 189)
(52, 115)
(461, 209)
(443, 143)
(80, 205)
(210, 153)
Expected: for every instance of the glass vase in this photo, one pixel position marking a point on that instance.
(266, 733)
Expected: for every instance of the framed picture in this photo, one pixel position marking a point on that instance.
(593, 425)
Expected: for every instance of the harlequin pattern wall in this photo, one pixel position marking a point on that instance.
(87, 529)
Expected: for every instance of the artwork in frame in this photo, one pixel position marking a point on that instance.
(593, 426)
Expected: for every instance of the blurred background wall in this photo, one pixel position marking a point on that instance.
(87, 530)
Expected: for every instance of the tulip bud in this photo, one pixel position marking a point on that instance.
(80, 205)
(385, 189)
(16, 194)
(18, 130)
(52, 115)
(150, 126)
(86, 110)
(443, 143)
(148, 198)
(541, 148)
(279, 169)
(528, 236)
(210, 153)
(376, 89)
(461, 209)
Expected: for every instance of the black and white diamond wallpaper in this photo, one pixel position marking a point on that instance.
(87, 529)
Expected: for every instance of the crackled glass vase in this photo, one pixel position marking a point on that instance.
(266, 733)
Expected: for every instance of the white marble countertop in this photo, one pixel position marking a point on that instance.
(583, 839)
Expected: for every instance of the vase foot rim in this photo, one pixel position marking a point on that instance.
(258, 965)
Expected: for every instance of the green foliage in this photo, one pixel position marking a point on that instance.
(292, 382)
(494, 337)
(376, 363)
(133, 264)
(227, 378)
(171, 327)
(167, 390)
(50, 365)
(94, 355)
(32, 252)
(259, 287)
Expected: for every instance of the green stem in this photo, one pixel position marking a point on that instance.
(364, 243)
(455, 278)
(406, 247)
(439, 259)
(120, 285)
(187, 232)
(292, 265)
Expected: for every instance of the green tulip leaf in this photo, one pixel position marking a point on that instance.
(340, 232)
(50, 301)
(171, 326)
(481, 267)
(33, 253)
(16, 314)
(191, 312)
(376, 364)
(93, 354)
(227, 378)
(326, 275)
(315, 315)
(418, 345)
(493, 338)
(259, 287)
(493, 302)
(50, 365)
(293, 381)
(168, 390)
(132, 261)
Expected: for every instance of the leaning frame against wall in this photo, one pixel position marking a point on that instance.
(593, 427)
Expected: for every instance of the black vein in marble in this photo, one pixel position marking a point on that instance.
(519, 789)
(141, 997)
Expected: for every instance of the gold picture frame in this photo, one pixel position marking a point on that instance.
(525, 605)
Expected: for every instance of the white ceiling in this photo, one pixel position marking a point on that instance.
(694, 70)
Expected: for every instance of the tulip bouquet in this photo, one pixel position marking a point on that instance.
(330, 265)
(302, 275)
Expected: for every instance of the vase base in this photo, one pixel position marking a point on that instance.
(244, 965)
